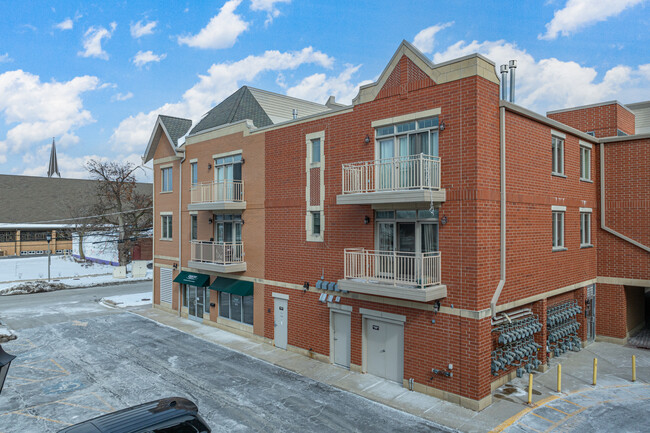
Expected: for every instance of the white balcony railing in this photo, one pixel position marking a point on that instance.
(392, 174)
(221, 253)
(395, 268)
(215, 191)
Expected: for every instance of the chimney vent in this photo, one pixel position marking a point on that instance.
(504, 81)
(512, 64)
(295, 113)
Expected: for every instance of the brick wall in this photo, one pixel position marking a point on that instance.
(603, 120)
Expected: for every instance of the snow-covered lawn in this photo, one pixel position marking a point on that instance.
(123, 301)
(17, 275)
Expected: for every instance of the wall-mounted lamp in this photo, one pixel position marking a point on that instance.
(209, 166)
(175, 266)
(366, 219)
(442, 126)
(243, 160)
(305, 286)
(367, 139)
(436, 306)
(443, 220)
(209, 220)
(242, 222)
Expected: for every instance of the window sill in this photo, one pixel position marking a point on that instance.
(166, 192)
(559, 249)
(586, 246)
(166, 239)
(558, 175)
(586, 180)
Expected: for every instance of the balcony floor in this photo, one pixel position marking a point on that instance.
(388, 197)
(370, 287)
(217, 267)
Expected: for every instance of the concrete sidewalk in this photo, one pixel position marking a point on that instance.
(509, 407)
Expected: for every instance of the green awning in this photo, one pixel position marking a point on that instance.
(236, 287)
(193, 279)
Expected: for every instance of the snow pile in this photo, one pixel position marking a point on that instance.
(35, 268)
(6, 334)
(123, 301)
(32, 287)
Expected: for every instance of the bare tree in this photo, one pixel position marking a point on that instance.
(81, 221)
(119, 204)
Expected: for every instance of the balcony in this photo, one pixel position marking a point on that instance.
(217, 256)
(403, 179)
(217, 195)
(395, 274)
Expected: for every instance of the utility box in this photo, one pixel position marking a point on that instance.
(139, 268)
(119, 272)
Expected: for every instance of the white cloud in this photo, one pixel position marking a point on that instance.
(578, 14)
(222, 30)
(4, 58)
(143, 57)
(139, 29)
(425, 39)
(66, 24)
(318, 87)
(548, 84)
(221, 80)
(122, 96)
(41, 110)
(269, 7)
(93, 41)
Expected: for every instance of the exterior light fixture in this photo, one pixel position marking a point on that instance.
(442, 126)
(305, 286)
(209, 220)
(366, 219)
(175, 265)
(367, 139)
(5, 362)
(436, 307)
(443, 220)
(209, 166)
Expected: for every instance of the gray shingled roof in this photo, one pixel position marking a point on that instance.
(29, 199)
(262, 107)
(176, 127)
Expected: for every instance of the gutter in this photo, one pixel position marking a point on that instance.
(602, 203)
(502, 230)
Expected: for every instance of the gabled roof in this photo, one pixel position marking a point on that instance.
(173, 127)
(262, 107)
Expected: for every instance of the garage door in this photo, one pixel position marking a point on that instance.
(385, 349)
(166, 285)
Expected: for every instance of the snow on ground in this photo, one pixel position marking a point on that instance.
(17, 275)
(123, 301)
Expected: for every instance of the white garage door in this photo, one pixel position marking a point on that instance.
(385, 349)
(166, 285)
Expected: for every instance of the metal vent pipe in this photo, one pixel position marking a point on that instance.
(295, 113)
(504, 81)
(512, 64)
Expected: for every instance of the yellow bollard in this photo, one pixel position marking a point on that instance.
(559, 378)
(530, 388)
(595, 370)
(633, 368)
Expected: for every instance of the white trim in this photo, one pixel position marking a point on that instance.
(406, 117)
(193, 160)
(558, 134)
(163, 166)
(310, 237)
(194, 212)
(166, 213)
(224, 154)
(280, 296)
(558, 208)
(382, 315)
(585, 144)
(340, 308)
(585, 209)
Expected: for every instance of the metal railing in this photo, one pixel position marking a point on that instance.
(224, 190)
(221, 253)
(392, 174)
(397, 268)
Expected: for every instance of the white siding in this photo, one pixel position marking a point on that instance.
(166, 285)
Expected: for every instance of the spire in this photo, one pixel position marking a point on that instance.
(54, 166)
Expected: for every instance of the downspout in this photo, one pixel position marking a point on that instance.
(180, 230)
(602, 204)
(502, 151)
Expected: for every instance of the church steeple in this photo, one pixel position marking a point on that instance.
(54, 166)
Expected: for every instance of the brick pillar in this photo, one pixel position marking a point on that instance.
(611, 311)
(17, 242)
(539, 308)
(53, 241)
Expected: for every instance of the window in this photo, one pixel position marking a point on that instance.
(166, 232)
(235, 307)
(315, 150)
(26, 235)
(166, 179)
(410, 138)
(194, 173)
(407, 231)
(585, 162)
(315, 226)
(227, 228)
(558, 155)
(8, 236)
(558, 230)
(64, 235)
(193, 227)
(585, 228)
(229, 177)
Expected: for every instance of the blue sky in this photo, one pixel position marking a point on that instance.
(95, 74)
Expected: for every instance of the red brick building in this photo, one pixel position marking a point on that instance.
(429, 233)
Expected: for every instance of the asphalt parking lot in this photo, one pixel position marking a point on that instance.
(71, 371)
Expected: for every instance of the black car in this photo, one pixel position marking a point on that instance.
(168, 415)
